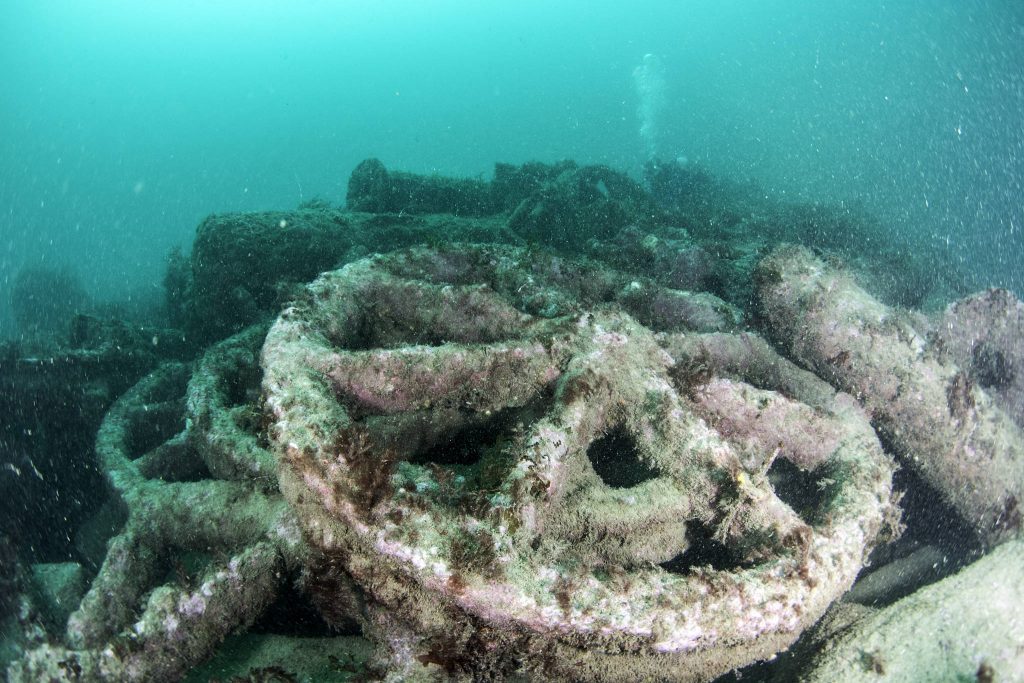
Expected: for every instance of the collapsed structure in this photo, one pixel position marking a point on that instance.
(500, 459)
(935, 413)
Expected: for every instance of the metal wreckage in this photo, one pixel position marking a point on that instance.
(525, 442)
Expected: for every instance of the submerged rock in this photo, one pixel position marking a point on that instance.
(967, 627)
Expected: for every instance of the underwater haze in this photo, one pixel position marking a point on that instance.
(125, 123)
(560, 341)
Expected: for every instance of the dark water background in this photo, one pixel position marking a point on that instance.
(125, 123)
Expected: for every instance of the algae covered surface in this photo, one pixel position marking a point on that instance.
(473, 455)
(568, 350)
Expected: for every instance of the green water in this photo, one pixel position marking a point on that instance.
(886, 135)
(125, 123)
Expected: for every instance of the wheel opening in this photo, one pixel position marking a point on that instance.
(807, 492)
(242, 384)
(154, 426)
(704, 550)
(478, 456)
(617, 461)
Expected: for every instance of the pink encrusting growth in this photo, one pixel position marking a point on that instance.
(514, 463)
(939, 416)
(154, 446)
(537, 488)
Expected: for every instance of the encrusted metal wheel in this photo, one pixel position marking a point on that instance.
(559, 496)
(144, 617)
